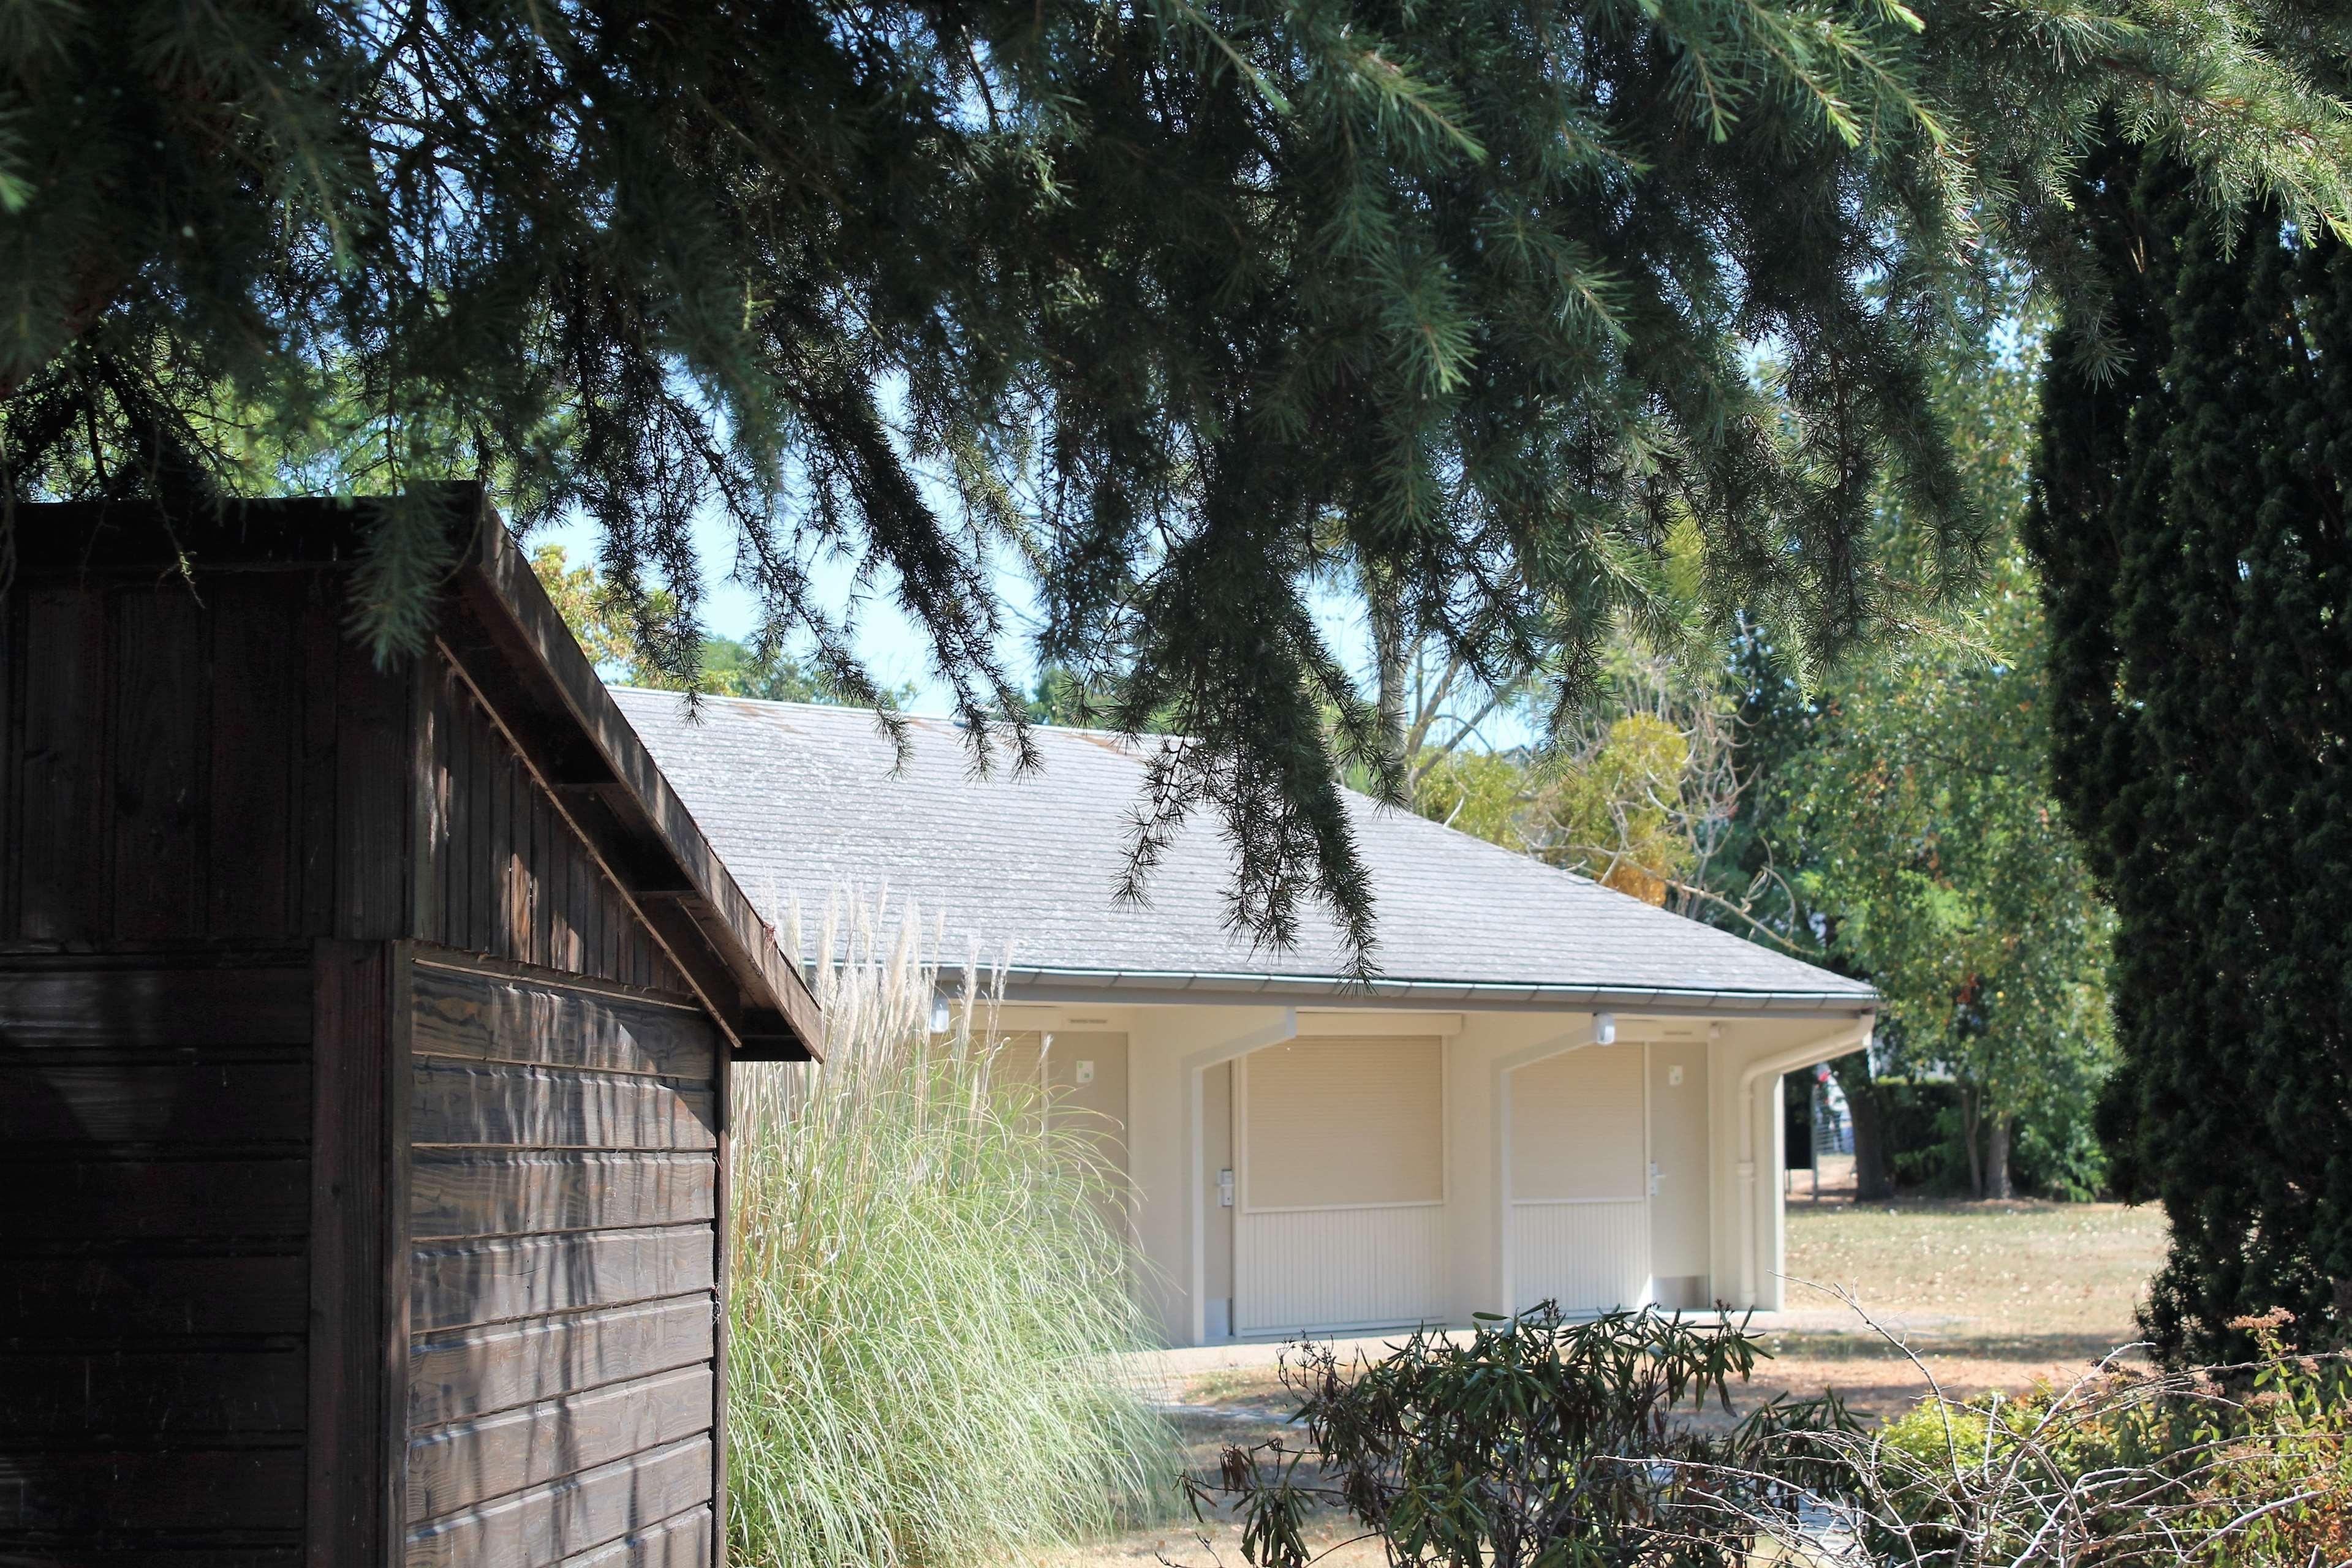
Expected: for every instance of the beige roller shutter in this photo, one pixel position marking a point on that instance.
(1344, 1122)
(1342, 1221)
(1578, 1226)
(1577, 1125)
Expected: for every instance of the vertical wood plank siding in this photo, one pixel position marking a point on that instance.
(174, 768)
(505, 875)
(233, 774)
(564, 1213)
(1324, 1269)
(155, 1145)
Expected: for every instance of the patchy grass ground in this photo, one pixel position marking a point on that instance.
(1989, 1295)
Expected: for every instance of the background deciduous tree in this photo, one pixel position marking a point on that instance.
(1919, 826)
(611, 633)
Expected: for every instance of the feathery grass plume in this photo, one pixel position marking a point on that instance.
(927, 1307)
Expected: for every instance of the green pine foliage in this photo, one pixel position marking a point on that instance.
(1171, 301)
(2192, 529)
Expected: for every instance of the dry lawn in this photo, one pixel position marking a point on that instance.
(1990, 1295)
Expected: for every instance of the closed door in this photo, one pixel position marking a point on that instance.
(1678, 1164)
(1341, 1217)
(1577, 1223)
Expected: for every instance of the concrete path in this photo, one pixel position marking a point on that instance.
(1166, 1372)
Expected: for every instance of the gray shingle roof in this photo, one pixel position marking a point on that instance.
(803, 800)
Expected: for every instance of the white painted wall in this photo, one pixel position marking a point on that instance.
(1731, 1217)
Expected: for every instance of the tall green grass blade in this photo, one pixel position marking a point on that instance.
(930, 1315)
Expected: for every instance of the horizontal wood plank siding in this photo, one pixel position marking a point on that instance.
(462, 1464)
(154, 1129)
(492, 1018)
(463, 1192)
(457, 1283)
(683, 1541)
(459, 1103)
(564, 1217)
(464, 1372)
(569, 1517)
(231, 1391)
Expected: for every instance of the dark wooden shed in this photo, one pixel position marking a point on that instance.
(365, 1040)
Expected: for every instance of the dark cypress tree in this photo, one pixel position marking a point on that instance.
(2190, 519)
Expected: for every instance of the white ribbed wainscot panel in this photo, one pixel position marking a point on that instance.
(1329, 1268)
(1588, 1255)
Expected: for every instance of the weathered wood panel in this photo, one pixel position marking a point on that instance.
(687, 1541)
(167, 762)
(509, 873)
(146, 1103)
(141, 1297)
(547, 1524)
(493, 1018)
(256, 712)
(455, 1283)
(127, 1392)
(473, 1372)
(564, 1201)
(65, 838)
(456, 1193)
(459, 1466)
(530, 1107)
(722, 1255)
(372, 781)
(354, 1291)
(52, 1556)
(163, 680)
(177, 1009)
(186, 1200)
(186, 1489)
(12, 751)
(319, 628)
(154, 1144)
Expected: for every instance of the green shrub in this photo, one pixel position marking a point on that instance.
(1537, 1443)
(927, 1307)
(1541, 1444)
(2053, 1154)
(2239, 1466)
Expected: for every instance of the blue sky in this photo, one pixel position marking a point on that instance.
(897, 653)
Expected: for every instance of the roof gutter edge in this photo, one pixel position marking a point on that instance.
(1027, 982)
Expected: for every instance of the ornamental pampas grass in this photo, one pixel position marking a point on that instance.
(928, 1305)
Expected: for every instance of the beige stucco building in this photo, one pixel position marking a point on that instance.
(1554, 1091)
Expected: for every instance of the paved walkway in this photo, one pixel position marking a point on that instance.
(1167, 1372)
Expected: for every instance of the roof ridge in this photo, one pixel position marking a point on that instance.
(848, 709)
